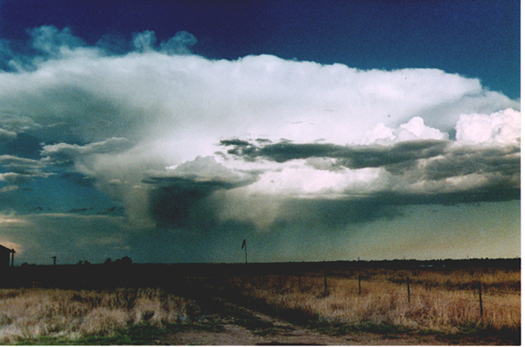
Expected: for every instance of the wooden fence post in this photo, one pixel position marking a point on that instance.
(480, 300)
(408, 288)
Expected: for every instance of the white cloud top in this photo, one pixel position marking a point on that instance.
(502, 127)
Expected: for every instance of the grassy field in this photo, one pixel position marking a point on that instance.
(441, 302)
(35, 313)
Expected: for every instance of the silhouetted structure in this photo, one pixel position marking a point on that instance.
(7, 257)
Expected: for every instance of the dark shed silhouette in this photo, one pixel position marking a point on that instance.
(7, 257)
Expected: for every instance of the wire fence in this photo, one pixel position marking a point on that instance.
(482, 296)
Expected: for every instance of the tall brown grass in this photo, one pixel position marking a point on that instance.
(439, 300)
(32, 313)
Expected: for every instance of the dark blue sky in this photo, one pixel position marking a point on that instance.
(478, 39)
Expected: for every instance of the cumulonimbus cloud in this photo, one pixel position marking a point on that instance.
(159, 122)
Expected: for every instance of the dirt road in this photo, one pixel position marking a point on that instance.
(236, 325)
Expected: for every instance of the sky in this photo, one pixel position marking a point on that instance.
(170, 131)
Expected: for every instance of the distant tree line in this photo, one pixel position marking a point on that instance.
(123, 261)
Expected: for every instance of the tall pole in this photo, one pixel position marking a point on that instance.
(246, 253)
(245, 246)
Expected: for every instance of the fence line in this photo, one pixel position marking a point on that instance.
(481, 291)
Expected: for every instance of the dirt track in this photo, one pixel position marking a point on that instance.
(242, 326)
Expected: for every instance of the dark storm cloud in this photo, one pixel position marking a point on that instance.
(192, 184)
(451, 172)
(402, 154)
(235, 142)
(504, 161)
(352, 157)
(181, 202)
(178, 196)
(185, 203)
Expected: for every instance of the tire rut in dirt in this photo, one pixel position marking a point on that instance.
(214, 307)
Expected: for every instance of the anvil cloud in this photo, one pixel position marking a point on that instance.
(261, 144)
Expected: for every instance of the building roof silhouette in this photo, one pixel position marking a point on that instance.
(5, 249)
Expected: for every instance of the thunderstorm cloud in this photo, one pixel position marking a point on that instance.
(186, 143)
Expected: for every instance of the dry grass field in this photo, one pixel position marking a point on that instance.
(29, 314)
(444, 302)
(441, 302)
